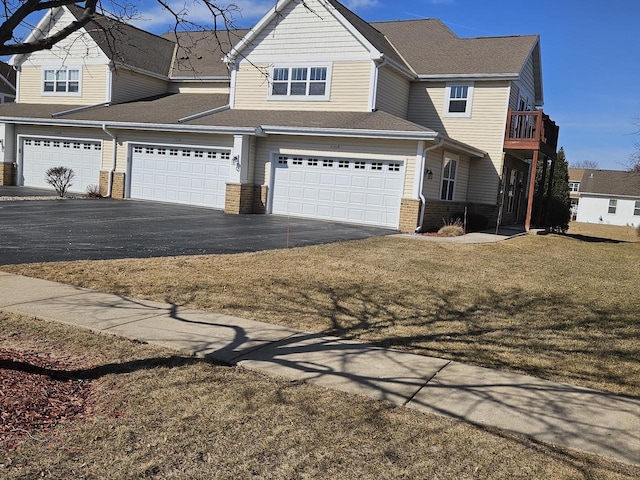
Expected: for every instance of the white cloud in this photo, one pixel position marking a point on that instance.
(156, 18)
(353, 4)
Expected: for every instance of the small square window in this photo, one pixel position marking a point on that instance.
(86, 146)
(343, 163)
(97, 146)
(162, 151)
(46, 143)
(376, 166)
(297, 161)
(225, 155)
(394, 167)
(66, 145)
(327, 163)
(211, 154)
(312, 162)
(56, 144)
(282, 161)
(359, 165)
(173, 152)
(76, 145)
(186, 153)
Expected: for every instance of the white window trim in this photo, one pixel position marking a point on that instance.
(455, 158)
(300, 98)
(447, 98)
(61, 94)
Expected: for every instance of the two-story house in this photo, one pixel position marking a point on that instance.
(610, 197)
(313, 112)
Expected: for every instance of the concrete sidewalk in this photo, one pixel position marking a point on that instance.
(554, 413)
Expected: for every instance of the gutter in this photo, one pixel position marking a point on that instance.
(423, 201)
(160, 127)
(204, 114)
(349, 132)
(113, 159)
(80, 109)
(470, 76)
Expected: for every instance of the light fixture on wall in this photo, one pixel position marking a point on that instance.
(429, 174)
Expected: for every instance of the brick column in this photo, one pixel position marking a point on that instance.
(409, 214)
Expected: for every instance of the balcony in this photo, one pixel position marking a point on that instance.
(531, 131)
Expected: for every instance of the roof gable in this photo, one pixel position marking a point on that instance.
(129, 45)
(320, 10)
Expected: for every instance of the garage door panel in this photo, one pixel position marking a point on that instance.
(357, 191)
(179, 175)
(38, 155)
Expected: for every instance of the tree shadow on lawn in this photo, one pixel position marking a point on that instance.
(549, 336)
(589, 239)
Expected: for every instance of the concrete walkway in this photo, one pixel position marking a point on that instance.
(554, 413)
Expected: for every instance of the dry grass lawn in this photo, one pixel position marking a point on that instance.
(563, 308)
(157, 415)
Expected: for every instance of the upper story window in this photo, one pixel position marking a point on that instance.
(61, 81)
(574, 186)
(449, 172)
(613, 205)
(636, 208)
(458, 100)
(300, 83)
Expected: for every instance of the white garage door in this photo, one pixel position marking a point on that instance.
(193, 176)
(344, 190)
(84, 157)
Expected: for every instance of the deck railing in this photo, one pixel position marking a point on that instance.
(526, 128)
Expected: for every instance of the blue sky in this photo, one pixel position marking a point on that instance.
(590, 57)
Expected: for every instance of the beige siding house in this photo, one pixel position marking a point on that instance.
(313, 112)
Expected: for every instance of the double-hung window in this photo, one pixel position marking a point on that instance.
(636, 208)
(613, 205)
(458, 99)
(61, 81)
(448, 177)
(299, 82)
(574, 186)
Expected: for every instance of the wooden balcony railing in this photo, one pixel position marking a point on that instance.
(532, 130)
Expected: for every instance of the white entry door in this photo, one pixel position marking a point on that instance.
(84, 157)
(176, 174)
(344, 190)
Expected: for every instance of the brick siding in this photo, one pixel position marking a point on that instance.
(7, 174)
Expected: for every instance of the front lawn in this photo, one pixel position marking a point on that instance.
(153, 414)
(563, 308)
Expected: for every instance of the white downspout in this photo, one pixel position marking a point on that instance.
(373, 99)
(423, 201)
(113, 159)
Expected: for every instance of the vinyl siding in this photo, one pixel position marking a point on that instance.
(484, 129)
(595, 209)
(93, 87)
(393, 93)
(77, 47)
(434, 162)
(403, 151)
(221, 88)
(300, 32)
(349, 89)
(129, 85)
(526, 82)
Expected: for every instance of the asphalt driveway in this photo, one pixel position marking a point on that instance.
(100, 229)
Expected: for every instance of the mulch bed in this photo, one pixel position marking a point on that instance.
(36, 394)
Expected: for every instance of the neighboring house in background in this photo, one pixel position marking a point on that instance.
(313, 113)
(7, 83)
(611, 197)
(575, 177)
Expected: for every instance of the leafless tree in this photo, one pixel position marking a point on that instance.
(584, 164)
(20, 17)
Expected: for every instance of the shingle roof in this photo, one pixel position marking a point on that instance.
(610, 182)
(167, 109)
(379, 120)
(575, 174)
(374, 36)
(432, 49)
(199, 54)
(128, 44)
